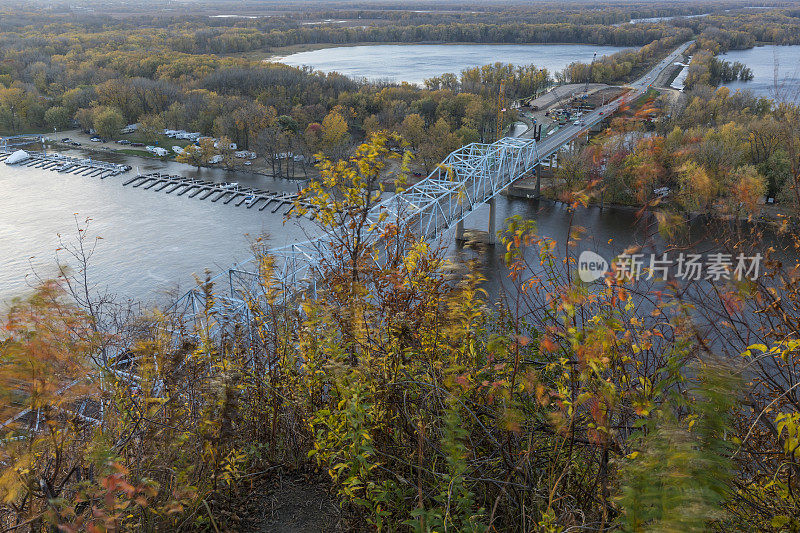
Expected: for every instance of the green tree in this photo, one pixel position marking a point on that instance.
(151, 126)
(679, 477)
(57, 117)
(85, 117)
(108, 122)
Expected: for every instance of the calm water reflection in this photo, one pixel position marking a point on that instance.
(773, 67)
(151, 241)
(415, 63)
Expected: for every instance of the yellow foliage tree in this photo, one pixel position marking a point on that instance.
(334, 135)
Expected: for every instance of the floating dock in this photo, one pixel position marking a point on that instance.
(68, 165)
(232, 193)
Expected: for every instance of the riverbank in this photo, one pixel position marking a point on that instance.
(768, 215)
(258, 166)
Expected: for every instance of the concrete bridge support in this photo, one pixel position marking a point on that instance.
(460, 230)
(491, 237)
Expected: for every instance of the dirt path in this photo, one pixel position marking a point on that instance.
(293, 505)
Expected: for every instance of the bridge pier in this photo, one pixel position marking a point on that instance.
(538, 170)
(491, 237)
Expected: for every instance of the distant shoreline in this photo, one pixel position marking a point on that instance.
(278, 54)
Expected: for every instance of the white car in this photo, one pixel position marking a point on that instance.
(576, 123)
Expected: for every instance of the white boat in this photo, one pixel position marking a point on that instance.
(250, 200)
(17, 157)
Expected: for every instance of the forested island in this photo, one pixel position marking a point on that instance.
(389, 387)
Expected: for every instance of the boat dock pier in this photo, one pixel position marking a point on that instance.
(204, 190)
(67, 165)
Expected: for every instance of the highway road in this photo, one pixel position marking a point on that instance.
(552, 143)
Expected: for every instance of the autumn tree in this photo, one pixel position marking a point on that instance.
(198, 154)
(334, 137)
(107, 122)
(58, 117)
(223, 148)
(85, 118)
(439, 141)
(151, 126)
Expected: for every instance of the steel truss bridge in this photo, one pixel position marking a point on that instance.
(470, 176)
(467, 178)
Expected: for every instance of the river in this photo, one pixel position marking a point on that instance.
(776, 71)
(414, 63)
(151, 241)
(660, 19)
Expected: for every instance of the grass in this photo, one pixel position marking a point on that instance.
(157, 140)
(141, 153)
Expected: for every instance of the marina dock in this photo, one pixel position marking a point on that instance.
(67, 165)
(229, 193)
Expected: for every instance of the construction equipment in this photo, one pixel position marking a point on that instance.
(501, 111)
(589, 77)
